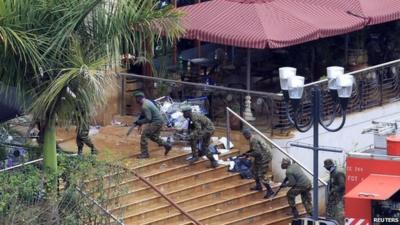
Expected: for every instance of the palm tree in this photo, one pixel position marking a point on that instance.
(62, 53)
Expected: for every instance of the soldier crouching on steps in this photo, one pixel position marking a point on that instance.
(334, 207)
(261, 152)
(299, 184)
(200, 129)
(151, 116)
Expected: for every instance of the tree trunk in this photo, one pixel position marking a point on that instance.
(50, 155)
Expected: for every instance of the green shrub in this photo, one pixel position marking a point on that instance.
(22, 195)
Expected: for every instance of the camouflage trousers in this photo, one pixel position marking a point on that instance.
(305, 197)
(259, 171)
(151, 131)
(83, 138)
(204, 138)
(335, 208)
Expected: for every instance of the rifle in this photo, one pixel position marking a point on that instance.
(280, 187)
(134, 125)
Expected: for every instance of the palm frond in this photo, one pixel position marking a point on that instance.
(77, 89)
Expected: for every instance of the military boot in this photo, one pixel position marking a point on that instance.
(214, 163)
(143, 155)
(269, 192)
(94, 151)
(194, 159)
(167, 147)
(258, 186)
(294, 213)
(80, 150)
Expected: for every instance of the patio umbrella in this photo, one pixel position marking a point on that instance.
(10, 106)
(268, 23)
(378, 11)
(281, 23)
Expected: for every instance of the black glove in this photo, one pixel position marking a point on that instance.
(136, 123)
(285, 182)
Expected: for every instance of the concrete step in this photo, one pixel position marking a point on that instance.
(207, 213)
(278, 215)
(171, 174)
(209, 198)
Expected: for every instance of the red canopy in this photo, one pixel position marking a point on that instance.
(280, 23)
(380, 11)
(376, 187)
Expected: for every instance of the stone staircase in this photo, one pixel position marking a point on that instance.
(211, 196)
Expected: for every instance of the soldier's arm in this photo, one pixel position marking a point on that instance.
(253, 152)
(145, 117)
(196, 129)
(339, 184)
(291, 180)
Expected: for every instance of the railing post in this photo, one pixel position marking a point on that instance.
(380, 83)
(228, 130)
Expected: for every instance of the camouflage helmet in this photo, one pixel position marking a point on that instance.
(246, 132)
(138, 94)
(328, 163)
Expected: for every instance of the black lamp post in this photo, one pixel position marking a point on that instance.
(340, 86)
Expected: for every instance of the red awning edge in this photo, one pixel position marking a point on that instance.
(376, 187)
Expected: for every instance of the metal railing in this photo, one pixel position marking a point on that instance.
(230, 111)
(21, 165)
(99, 206)
(168, 199)
(375, 86)
(28, 163)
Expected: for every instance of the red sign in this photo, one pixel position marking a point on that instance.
(357, 169)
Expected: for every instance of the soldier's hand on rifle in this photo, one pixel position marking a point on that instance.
(285, 183)
(135, 124)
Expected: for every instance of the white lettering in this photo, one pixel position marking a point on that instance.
(386, 220)
(352, 178)
(358, 169)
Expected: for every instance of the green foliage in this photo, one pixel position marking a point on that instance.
(24, 185)
(23, 200)
(62, 53)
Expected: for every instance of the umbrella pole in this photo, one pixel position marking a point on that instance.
(247, 114)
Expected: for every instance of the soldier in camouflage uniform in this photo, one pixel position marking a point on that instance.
(151, 116)
(334, 207)
(200, 130)
(299, 184)
(261, 152)
(82, 136)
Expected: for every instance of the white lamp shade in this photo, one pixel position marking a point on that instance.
(296, 87)
(345, 85)
(284, 74)
(332, 73)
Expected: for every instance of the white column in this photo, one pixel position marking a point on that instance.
(247, 114)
